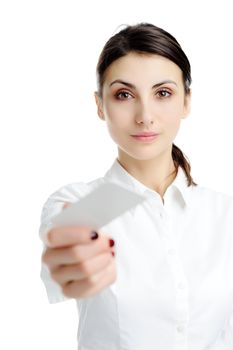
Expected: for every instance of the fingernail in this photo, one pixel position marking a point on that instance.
(113, 254)
(66, 204)
(94, 235)
(111, 242)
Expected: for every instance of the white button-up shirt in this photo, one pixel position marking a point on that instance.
(174, 286)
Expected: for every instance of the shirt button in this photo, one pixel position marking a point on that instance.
(181, 285)
(161, 214)
(180, 329)
(171, 251)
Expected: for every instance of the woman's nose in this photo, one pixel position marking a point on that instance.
(144, 114)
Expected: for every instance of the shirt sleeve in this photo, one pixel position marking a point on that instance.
(54, 204)
(224, 340)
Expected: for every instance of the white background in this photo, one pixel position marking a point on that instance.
(50, 133)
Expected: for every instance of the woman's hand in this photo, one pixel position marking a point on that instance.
(81, 265)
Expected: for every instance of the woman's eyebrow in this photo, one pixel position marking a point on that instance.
(134, 87)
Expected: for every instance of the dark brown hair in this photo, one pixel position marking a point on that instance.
(146, 38)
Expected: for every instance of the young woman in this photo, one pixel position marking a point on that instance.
(170, 283)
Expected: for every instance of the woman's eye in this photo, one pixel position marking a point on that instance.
(122, 93)
(163, 93)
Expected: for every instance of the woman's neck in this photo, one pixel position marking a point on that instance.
(153, 174)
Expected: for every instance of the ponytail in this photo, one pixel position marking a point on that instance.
(181, 160)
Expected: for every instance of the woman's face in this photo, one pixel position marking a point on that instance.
(129, 110)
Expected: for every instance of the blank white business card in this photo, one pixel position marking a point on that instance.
(102, 205)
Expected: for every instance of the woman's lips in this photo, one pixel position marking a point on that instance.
(145, 138)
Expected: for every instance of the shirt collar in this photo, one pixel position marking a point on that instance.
(118, 174)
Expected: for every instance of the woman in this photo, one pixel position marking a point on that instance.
(170, 284)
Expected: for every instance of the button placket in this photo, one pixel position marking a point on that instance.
(181, 288)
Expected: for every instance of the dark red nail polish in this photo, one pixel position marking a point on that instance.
(113, 254)
(111, 242)
(94, 235)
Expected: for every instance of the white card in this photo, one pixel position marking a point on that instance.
(102, 205)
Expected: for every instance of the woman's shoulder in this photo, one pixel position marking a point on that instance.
(213, 198)
(212, 193)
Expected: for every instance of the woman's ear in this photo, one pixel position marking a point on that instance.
(187, 104)
(99, 104)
